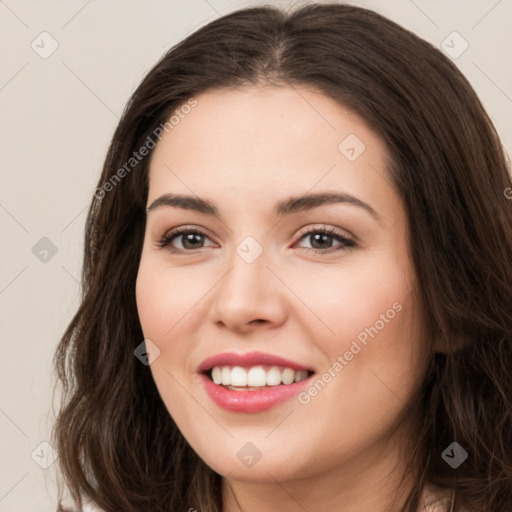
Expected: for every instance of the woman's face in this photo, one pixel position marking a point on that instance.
(325, 284)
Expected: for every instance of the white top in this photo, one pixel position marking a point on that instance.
(435, 499)
(89, 507)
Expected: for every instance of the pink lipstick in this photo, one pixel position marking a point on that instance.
(252, 382)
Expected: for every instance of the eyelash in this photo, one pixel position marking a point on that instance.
(346, 243)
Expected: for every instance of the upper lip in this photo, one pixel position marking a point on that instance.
(249, 359)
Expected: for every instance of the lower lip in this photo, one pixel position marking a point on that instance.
(251, 401)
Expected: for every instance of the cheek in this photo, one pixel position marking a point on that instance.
(373, 317)
(352, 301)
(165, 296)
(377, 359)
(166, 303)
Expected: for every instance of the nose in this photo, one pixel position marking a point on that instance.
(250, 296)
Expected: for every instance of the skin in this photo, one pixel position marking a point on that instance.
(243, 150)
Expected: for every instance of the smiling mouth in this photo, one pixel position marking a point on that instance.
(254, 378)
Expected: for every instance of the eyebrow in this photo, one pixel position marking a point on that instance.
(283, 207)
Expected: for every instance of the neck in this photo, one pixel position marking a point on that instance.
(368, 481)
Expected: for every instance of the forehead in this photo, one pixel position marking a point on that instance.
(268, 140)
(278, 118)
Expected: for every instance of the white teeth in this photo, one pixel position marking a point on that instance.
(288, 376)
(273, 376)
(217, 375)
(256, 376)
(226, 376)
(301, 375)
(238, 376)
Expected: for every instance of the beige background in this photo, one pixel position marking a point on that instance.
(58, 114)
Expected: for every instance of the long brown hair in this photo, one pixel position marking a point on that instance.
(118, 445)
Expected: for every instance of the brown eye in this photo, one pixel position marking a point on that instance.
(183, 240)
(321, 240)
(191, 240)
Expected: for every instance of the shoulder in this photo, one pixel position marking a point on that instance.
(435, 499)
(88, 507)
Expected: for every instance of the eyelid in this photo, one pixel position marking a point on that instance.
(347, 239)
(164, 240)
(343, 233)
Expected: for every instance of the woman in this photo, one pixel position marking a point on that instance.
(296, 283)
